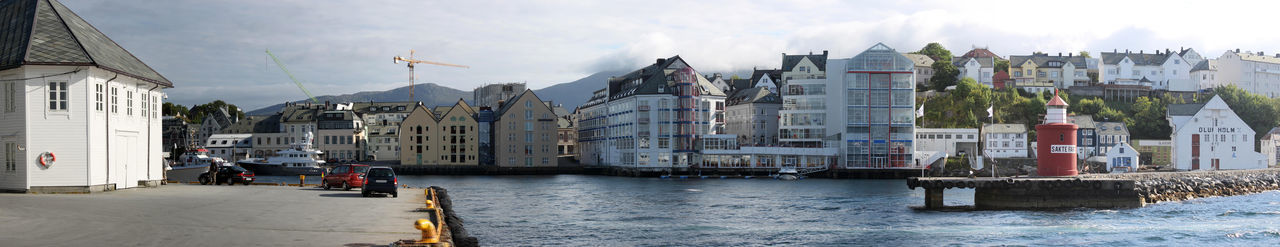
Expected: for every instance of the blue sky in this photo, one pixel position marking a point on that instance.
(214, 49)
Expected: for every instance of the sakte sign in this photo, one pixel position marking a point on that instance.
(1062, 149)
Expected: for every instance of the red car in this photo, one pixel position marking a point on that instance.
(346, 176)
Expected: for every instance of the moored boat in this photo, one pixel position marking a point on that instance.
(299, 159)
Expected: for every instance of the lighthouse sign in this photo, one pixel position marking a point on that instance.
(1062, 149)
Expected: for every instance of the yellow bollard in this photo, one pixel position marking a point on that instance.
(302, 180)
(429, 234)
(431, 204)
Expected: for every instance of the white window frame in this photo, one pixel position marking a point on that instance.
(115, 100)
(99, 97)
(57, 91)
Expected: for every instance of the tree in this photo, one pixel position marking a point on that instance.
(1085, 54)
(944, 75)
(1259, 112)
(936, 52)
(1147, 119)
(198, 112)
(1002, 65)
(735, 77)
(1088, 107)
(171, 109)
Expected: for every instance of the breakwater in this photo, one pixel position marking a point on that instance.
(1154, 187)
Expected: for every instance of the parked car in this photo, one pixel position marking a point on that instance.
(345, 176)
(229, 175)
(380, 180)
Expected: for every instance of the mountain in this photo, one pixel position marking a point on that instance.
(575, 93)
(430, 94)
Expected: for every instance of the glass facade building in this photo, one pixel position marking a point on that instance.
(880, 97)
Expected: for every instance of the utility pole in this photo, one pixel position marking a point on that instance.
(410, 61)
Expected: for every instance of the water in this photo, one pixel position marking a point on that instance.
(573, 210)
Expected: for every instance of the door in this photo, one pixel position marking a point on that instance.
(1195, 152)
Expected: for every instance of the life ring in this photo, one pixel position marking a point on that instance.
(47, 159)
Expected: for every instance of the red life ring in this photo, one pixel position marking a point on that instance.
(47, 159)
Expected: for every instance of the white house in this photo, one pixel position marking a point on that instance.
(78, 113)
(1166, 70)
(1205, 74)
(1270, 146)
(230, 147)
(1211, 136)
(977, 64)
(1004, 140)
(1122, 158)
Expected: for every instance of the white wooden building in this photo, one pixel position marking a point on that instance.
(78, 113)
(1211, 136)
(1122, 158)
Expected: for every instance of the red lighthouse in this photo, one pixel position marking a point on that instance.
(1056, 141)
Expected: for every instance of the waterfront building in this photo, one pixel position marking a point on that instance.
(978, 64)
(485, 119)
(924, 68)
(1205, 74)
(1039, 71)
(1210, 136)
(78, 112)
(1155, 152)
(724, 152)
(1160, 70)
(415, 138)
(264, 132)
(1086, 136)
(731, 85)
(492, 95)
(566, 132)
(341, 135)
(770, 79)
(456, 132)
(949, 141)
(1122, 158)
(752, 115)
(1269, 145)
(1253, 72)
(230, 147)
(1110, 134)
(524, 133)
(650, 118)
(382, 121)
(874, 92)
(804, 101)
(296, 120)
(1004, 140)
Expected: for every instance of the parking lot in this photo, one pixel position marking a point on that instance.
(196, 215)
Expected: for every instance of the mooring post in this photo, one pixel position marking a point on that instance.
(933, 198)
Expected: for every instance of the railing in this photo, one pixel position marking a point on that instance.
(644, 108)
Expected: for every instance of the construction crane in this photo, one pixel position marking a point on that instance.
(295, 80)
(410, 61)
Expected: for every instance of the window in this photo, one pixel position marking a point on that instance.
(528, 114)
(11, 92)
(146, 98)
(10, 157)
(58, 96)
(98, 97)
(115, 100)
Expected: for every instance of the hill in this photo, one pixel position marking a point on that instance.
(430, 94)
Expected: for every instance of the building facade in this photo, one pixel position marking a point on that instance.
(803, 116)
(449, 138)
(1122, 158)
(978, 64)
(1254, 72)
(649, 119)
(1040, 70)
(878, 89)
(525, 133)
(1211, 136)
(230, 147)
(341, 135)
(950, 141)
(1161, 70)
(1111, 134)
(752, 115)
(1086, 136)
(1269, 145)
(382, 121)
(1154, 153)
(924, 69)
(78, 112)
(1005, 140)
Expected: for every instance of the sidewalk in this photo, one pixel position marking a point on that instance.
(195, 215)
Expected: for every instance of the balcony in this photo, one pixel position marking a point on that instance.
(644, 120)
(644, 108)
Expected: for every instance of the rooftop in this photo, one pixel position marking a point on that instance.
(44, 32)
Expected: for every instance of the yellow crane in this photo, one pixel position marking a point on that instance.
(410, 61)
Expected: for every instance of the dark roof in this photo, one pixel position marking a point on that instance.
(461, 104)
(657, 78)
(753, 95)
(1207, 64)
(774, 75)
(1141, 59)
(300, 113)
(980, 52)
(1084, 121)
(1184, 109)
(382, 107)
(256, 124)
(983, 62)
(1042, 60)
(738, 84)
(789, 62)
(44, 32)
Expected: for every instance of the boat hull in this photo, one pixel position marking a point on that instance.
(277, 170)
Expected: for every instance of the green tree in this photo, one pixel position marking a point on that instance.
(1002, 65)
(1089, 107)
(944, 75)
(936, 52)
(1085, 54)
(198, 112)
(171, 109)
(1258, 111)
(1147, 120)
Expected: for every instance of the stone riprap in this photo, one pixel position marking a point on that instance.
(1156, 187)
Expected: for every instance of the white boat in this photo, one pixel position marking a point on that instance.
(788, 173)
(199, 158)
(299, 159)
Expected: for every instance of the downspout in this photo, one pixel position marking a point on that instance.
(106, 135)
(149, 123)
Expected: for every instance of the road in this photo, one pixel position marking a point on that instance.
(208, 215)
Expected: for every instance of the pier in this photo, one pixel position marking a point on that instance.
(1128, 190)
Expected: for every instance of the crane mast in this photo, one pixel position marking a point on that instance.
(410, 61)
(295, 79)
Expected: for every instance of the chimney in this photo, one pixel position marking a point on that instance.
(1237, 50)
(824, 52)
(326, 104)
(1059, 54)
(1069, 54)
(1126, 51)
(1260, 53)
(1141, 52)
(1113, 50)
(718, 75)
(662, 60)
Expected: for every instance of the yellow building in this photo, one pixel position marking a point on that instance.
(446, 136)
(1040, 71)
(525, 134)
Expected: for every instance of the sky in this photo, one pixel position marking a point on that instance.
(215, 49)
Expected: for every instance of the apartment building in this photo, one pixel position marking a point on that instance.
(491, 95)
(1161, 70)
(525, 133)
(878, 86)
(1254, 72)
(752, 116)
(1040, 70)
(977, 64)
(382, 121)
(445, 136)
(1005, 140)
